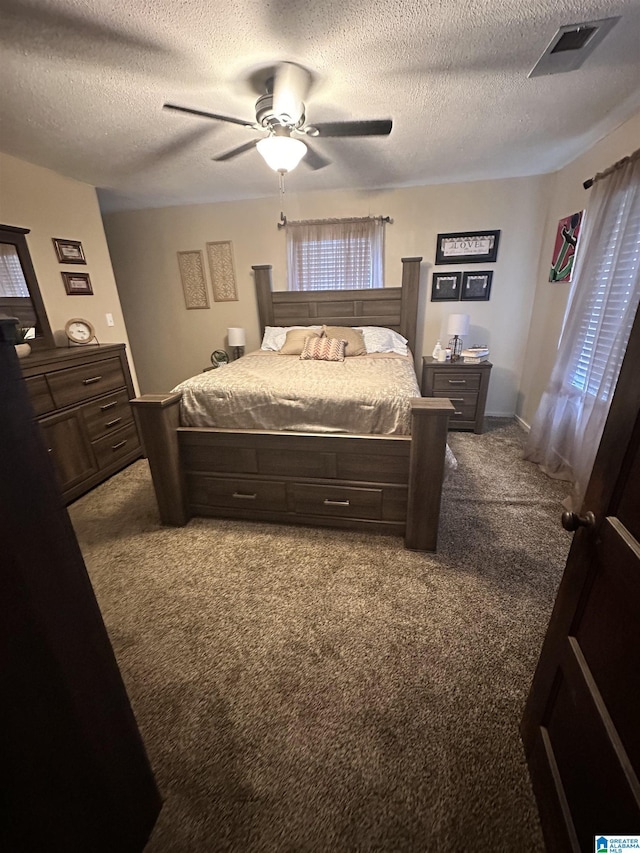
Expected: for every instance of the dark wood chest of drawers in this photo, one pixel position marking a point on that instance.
(466, 385)
(81, 398)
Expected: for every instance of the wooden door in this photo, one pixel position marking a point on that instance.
(581, 726)
(75, 775)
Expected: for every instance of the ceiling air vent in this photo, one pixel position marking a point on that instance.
(571, 45)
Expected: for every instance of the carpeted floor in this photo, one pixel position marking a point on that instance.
(320, 690)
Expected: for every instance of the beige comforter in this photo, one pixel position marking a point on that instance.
(268, 391)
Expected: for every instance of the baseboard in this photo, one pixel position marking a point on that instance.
(523, 424)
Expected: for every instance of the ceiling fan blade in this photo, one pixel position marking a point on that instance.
(204, 114)
(313, 159)
(290, 87)
(228, 155)
(380, 127)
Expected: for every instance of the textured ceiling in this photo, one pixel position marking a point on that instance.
(83, 83)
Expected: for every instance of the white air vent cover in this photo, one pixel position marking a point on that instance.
(571, 45)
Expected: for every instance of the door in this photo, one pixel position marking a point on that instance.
(581, 726)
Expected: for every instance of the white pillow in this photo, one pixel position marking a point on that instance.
(381, 339)
(275, 336)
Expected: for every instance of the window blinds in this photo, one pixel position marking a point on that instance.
(335, 254)
(12, 281)
(609, 310)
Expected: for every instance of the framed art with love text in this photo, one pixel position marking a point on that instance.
(467, 247)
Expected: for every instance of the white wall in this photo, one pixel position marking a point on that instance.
(550, 303)
(51, 205)
(171, 343)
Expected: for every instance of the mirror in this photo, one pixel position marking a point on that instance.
(19, 291)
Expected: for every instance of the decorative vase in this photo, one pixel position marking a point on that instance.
(22, 350)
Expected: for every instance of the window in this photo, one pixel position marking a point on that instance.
(608, 308)
(567, 427)
(335, 254)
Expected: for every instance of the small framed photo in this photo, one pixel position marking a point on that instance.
(77, 283)
(445, 286)
(467, 247)
(476, 286)
(69, 251)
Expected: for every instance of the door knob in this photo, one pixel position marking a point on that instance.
(571, 521)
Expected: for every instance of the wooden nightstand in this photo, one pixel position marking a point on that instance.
(466, 385)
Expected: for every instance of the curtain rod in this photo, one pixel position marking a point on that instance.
(283, 220)
(591, 181)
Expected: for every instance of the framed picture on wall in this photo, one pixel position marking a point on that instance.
(77, 283)
(467, 247)
(565, 247)
(445, 286)
(68, 251)
(476, 286)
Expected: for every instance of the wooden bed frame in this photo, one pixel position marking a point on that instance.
(390, 484)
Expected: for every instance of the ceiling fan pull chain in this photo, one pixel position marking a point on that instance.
(281, 183)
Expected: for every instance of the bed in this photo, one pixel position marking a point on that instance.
(379, 470)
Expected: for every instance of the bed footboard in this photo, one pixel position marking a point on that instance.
(390, 484)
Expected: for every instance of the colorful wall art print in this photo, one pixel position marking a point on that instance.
(565, 248)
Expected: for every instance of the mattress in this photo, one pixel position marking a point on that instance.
(269, 391)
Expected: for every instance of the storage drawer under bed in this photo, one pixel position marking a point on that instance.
(308, 499)
(238, 493)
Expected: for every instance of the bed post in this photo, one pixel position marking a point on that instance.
(409, 303)
(158, 418)
(262, 277)
(429, 425)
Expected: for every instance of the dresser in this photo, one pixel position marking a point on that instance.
(466, 385)
(81, 399)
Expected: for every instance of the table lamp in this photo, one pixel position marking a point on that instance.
(457, 326)
(237, 340)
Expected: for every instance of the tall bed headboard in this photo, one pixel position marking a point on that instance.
(393, 307)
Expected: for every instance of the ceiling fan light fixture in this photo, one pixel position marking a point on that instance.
(282, 153)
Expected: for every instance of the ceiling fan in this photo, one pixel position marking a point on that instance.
(280, 111)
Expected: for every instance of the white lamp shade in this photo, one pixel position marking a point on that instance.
(282, 153)
(236, 337)
(458, 324)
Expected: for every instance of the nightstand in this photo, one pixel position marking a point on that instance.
(465, 384)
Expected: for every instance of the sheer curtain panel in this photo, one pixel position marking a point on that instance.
(568, 424)
(335, 254)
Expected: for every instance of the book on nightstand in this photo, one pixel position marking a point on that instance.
(475, 355)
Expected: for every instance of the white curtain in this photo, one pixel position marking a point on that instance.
(568, 425)
(335, 254)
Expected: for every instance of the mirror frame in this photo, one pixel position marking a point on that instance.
(17, 237)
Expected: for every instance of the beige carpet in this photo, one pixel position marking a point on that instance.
(320, 690)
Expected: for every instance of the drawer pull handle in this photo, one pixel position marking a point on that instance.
(245, 496)
(457, 414)
(108, 405)
(113, 422)
(327, 502)
(119, 444)
(457, 381)
(92, 380)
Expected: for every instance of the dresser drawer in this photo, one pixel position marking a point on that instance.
(40, 396)
(76, 384)
(466, 405)
(335, 501)
(107, 414)
(452, 381)
(237, 493)
(109, 449)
